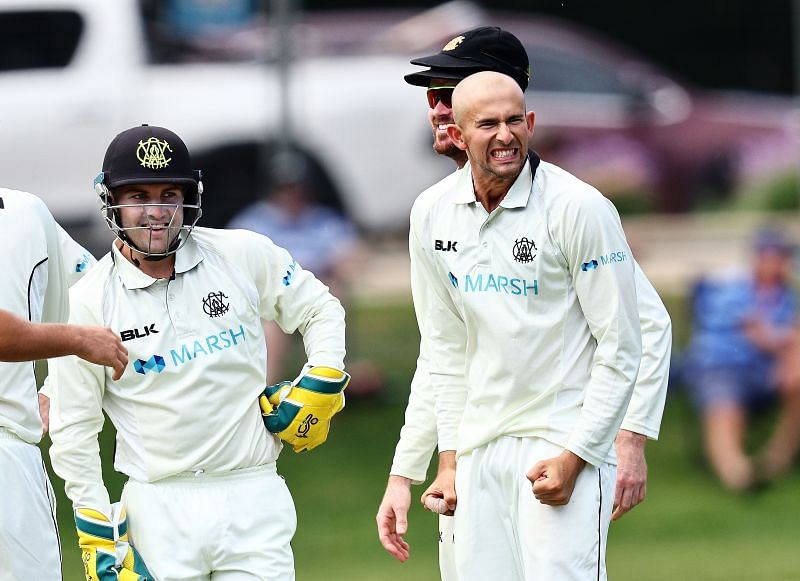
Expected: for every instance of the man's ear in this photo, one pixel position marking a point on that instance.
(530, 118)
(456, 136)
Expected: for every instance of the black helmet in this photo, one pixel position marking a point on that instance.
(149, 155)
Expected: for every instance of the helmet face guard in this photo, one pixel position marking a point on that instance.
(191, 207)
(150, 155)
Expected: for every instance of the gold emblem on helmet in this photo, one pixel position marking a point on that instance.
(152, 153)
(453, 43)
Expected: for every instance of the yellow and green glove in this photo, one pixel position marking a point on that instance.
(300, 413)
(107, 554)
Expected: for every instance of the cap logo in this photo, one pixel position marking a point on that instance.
(453, 43)
(152, 153)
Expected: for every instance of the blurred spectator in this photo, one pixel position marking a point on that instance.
(320, 239)
(738, 360)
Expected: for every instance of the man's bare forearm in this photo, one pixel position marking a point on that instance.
(447, 460)
(21, 340)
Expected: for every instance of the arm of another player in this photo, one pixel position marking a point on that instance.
(392, 517)
(441, 329)
(409, 466)
(646, 408)
(21, 340)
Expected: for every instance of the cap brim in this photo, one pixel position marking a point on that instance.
(445, 61)
(153, 180)
(423, 78)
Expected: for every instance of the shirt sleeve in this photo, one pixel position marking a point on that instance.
(56, 301)
(592, 231)
(412, 456)
(646, 407)
(442, 332)
(297, 301)
(76, 418)
(76, 260)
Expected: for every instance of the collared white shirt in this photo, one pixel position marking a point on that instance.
(529, 313)
(34, 288)
(418, 436)
(197, 360)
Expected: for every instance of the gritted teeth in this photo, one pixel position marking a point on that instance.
(504, 153)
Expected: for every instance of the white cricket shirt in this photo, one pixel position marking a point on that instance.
(645, 410)
(529, 313)
(197, 360)
(34, 288)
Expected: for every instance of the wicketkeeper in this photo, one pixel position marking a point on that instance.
(203, 496)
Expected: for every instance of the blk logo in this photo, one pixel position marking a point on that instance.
(445, 245)
(155, 364)
(145, 331)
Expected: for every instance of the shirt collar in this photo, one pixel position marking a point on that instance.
(189, 256)
(517, 196)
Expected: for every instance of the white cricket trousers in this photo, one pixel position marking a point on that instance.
(503, 533)
(234, 526)
(29, 544)
(447, 548)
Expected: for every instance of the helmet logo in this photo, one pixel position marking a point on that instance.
(453, 43)
(152, 153)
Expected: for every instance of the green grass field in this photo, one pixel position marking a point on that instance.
(689, 528)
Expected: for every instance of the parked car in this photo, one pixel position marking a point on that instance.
(75, 72)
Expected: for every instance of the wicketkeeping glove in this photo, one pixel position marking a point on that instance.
(107, 555)
(300, 413)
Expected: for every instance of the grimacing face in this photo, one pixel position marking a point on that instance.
(494, 125)
(152, 215)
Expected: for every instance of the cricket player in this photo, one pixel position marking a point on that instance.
(33, 310)
(534, 340)
(491, 48)
(203, 499)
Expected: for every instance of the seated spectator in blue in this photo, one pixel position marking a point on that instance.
(318, 237)
(744, 324)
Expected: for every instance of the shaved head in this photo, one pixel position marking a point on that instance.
(492, 126)
(475, 90)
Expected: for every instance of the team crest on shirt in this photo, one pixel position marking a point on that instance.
(215, 305)
(524, 250)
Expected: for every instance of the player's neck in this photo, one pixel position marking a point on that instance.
(490, 191)
(153, 268)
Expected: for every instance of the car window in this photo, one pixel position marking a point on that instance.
(37, 39)
(558, 71)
